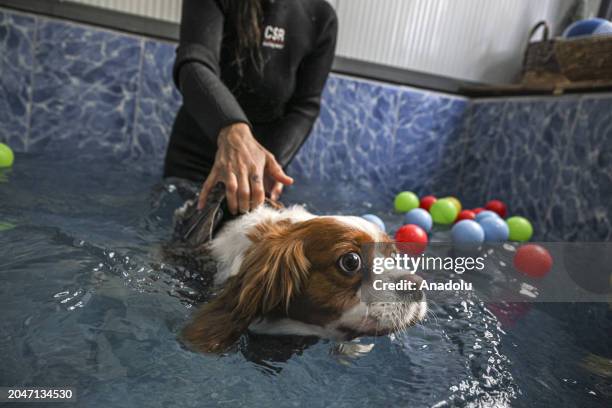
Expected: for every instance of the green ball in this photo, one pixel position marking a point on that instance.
(444, 211)
(6, 226)
(6, 156)
(520, 229)
(406, 201)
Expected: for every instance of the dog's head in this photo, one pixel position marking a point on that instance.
(300, 277)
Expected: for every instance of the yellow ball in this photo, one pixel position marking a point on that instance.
(455, 202)
(6, 156)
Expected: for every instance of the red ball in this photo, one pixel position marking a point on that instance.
(478, 210)
(533, 260)
(412, 238)
(427, 202)
(509, 313)
(497, 207)
(466, 215)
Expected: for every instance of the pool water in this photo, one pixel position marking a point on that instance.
(89, 301)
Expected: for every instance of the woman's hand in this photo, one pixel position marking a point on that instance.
(273, 188)
(243, 165)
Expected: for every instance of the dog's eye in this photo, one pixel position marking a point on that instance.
(350, 263)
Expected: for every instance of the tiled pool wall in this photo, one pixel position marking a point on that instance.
(69, 89)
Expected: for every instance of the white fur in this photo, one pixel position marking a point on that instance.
(231, 243)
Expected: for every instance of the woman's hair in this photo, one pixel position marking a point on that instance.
(246, 17)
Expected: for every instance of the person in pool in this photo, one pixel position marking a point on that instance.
(251, 73)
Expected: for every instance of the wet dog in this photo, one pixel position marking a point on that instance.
(285, 271)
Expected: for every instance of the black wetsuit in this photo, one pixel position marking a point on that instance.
(280, 104)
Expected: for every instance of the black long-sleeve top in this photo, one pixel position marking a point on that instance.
(280, 103)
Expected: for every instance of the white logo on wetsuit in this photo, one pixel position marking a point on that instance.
(274, 37)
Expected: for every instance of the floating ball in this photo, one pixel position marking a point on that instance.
(406, 201)
(509, 313)
(485, 214)
(466, 215)
(456, 202)
(413, 239)
(419, 217)
(6, 226)
(6, 156)
(374, 219)
(443, 212)
(497, 207)
(495, 229)
(520, 229)
(590, 26)
(478, 210)
(427, 202)
(533, 260)
(467, 232)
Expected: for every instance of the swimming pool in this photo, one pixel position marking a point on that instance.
(88, 301)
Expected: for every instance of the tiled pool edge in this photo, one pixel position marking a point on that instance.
(109, 94)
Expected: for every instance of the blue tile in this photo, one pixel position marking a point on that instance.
(86, 81)
(482, 133)
(429, 146)
(351, 139)
(158, 102)
(526, 161)
(583, 208)
(17, 33)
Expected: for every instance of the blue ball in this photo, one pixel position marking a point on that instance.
(495, 229)
(419, 217)
(374, 219)
(590, 26)
(485, 214)
(467, 232)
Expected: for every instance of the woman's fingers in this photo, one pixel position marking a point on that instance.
(276, 191)
(206, 187)
(258, 194)
(231, 192)
(276, 171)
(244, 192)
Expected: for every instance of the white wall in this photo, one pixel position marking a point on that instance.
(479, 40)
(167, 10)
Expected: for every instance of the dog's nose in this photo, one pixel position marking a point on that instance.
(412, 292)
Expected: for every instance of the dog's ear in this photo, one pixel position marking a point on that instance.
(212, 329)
(272, 272)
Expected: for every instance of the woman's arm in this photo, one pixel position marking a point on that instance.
(241, 163)
(197, 71)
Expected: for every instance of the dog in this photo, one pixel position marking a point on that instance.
(287, 272)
